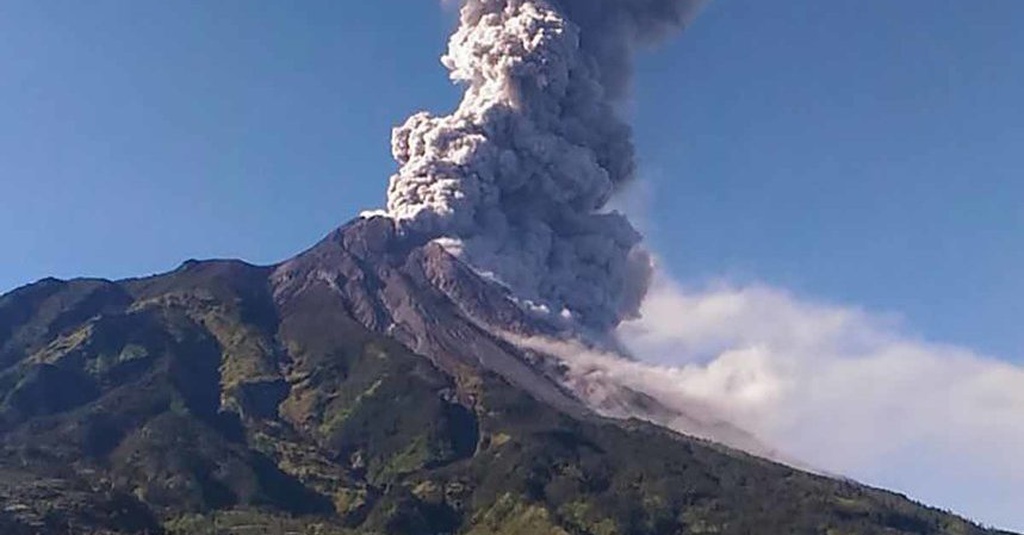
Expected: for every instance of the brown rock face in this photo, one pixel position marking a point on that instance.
(422, 296)
(427, 299)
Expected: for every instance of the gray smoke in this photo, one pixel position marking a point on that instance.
(517, 179)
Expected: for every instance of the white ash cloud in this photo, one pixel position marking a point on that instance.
(609, 384)
(520, 174)
(843, 390)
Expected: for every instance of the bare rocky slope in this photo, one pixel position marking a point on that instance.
(357, 388)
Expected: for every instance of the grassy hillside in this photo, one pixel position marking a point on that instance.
(192, 403)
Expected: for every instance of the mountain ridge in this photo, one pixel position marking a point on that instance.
(346, 390)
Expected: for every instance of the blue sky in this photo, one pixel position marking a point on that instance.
(863, 153)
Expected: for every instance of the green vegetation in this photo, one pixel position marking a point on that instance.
(192, 403)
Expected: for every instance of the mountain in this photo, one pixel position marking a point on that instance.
(368, 385)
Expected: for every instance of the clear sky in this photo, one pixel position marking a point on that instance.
(868, 153)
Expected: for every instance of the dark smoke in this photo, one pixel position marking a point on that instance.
(516, 180)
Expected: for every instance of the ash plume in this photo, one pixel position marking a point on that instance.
(516, 180)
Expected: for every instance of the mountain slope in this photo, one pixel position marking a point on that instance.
(355, 388)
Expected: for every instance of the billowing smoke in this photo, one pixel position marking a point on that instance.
(841, 389)
(517, 179)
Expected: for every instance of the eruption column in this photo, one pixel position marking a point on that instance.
(517, 179)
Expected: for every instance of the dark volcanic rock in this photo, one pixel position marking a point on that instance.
(423, 297)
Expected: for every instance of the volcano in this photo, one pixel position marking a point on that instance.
(400, 376)
(360, 387)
